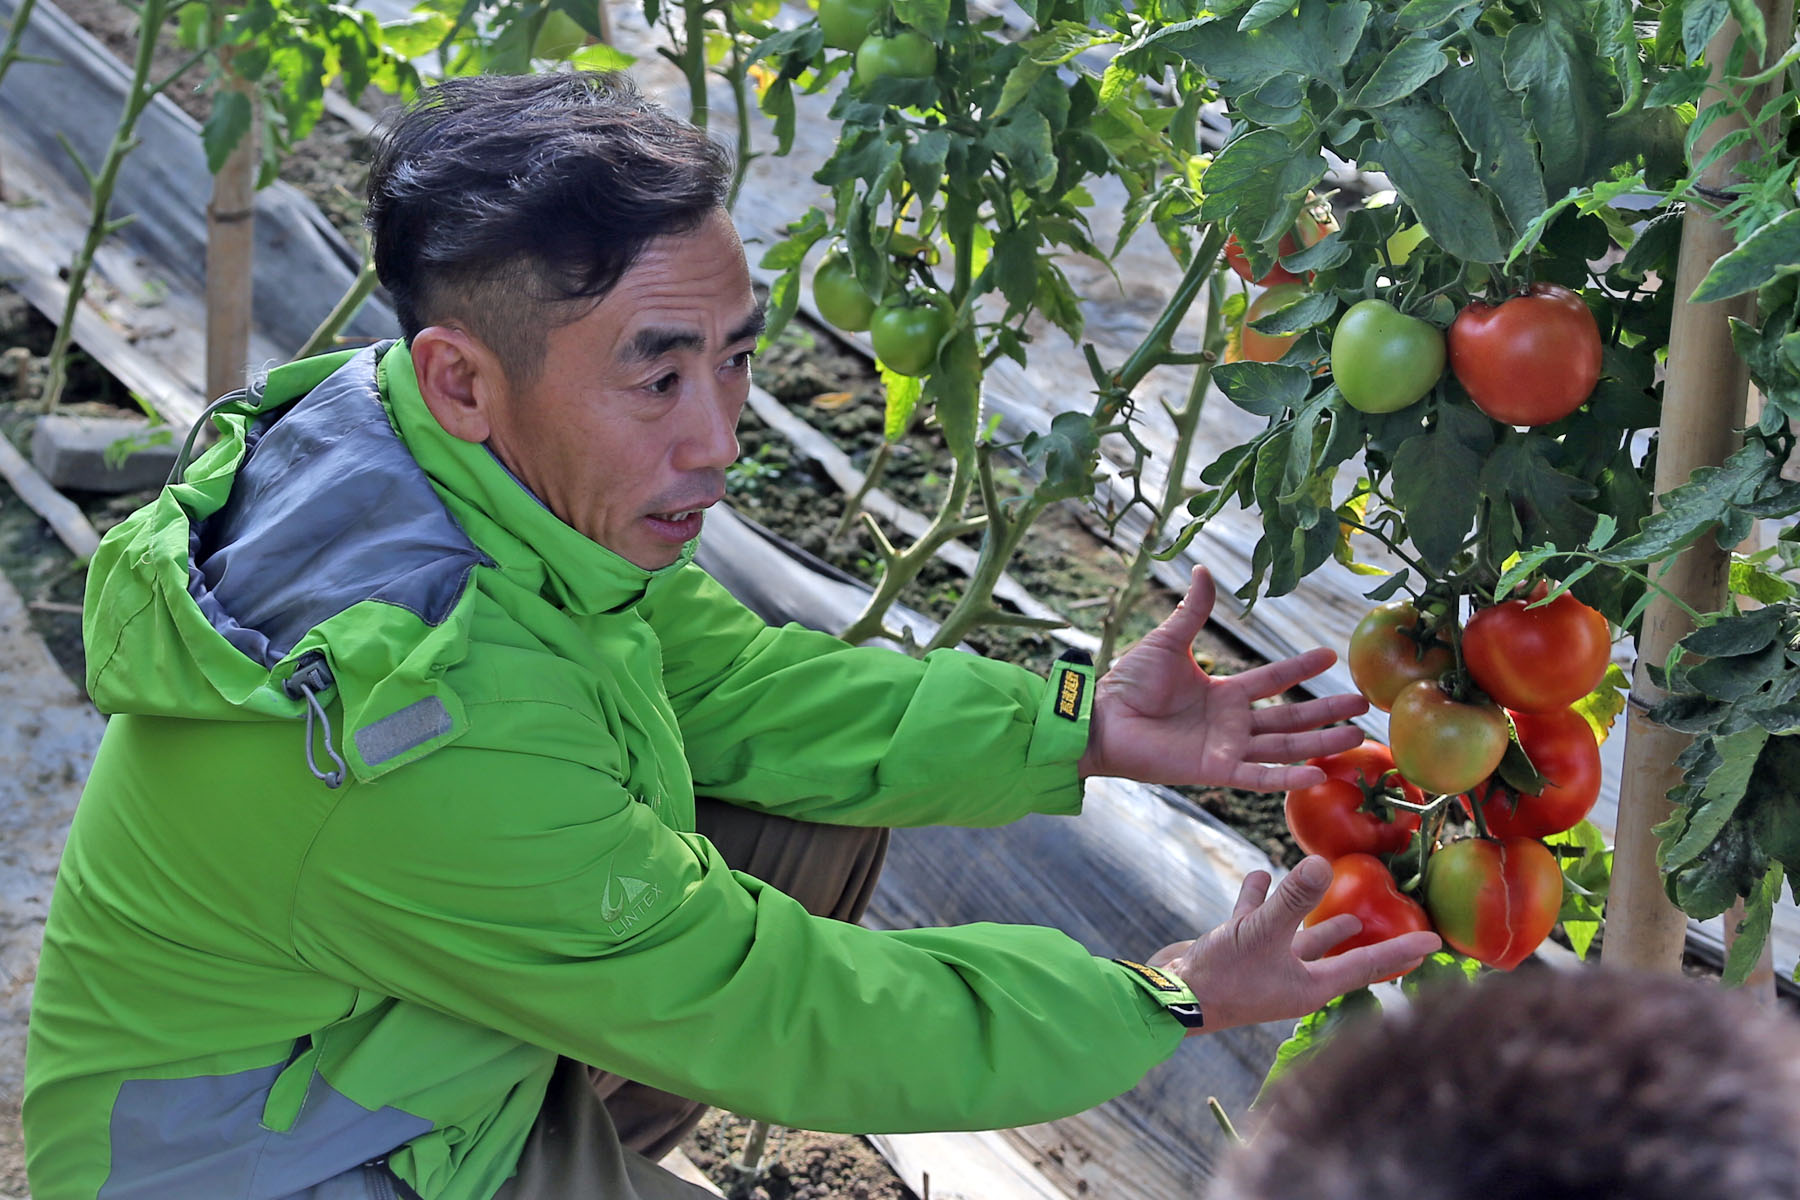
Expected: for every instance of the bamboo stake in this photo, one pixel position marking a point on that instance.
(230, 249)
(1703, 413)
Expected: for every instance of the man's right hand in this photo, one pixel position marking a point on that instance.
(1260, 966)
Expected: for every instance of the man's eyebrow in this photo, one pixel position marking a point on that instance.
(752, 326)
(656, 341)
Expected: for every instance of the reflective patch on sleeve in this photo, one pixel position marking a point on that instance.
(404, 730)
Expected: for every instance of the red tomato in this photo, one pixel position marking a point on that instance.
(1386, 653)
(1494, 901)
(1561, 746)
(1361, 886)
(1442, 744)
(1309, 230)
(1531, 360)
(1537, 659)
(1328, 819)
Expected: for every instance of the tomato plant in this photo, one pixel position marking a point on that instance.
(1529, 360)
(907, 54)
(846, 23)
(1252, 345)
(1563, 751)
(906, 336)
(1537, 659)
(1443, 744)
(1341, 816)
(1364, 888)
(1393, 646)
(1383, 360)
(1494, 901)
(839, 297)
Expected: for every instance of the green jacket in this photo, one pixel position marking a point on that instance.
(396, 805)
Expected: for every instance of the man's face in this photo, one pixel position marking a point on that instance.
(627, 429)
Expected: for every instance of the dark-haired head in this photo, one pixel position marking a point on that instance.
(1591, 1084)
(509, 205)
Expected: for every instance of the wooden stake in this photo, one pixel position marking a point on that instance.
(1703, 414)
(230, 248)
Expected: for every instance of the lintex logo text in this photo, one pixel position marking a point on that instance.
(625, 901)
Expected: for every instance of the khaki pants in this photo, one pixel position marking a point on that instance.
(598, 1136)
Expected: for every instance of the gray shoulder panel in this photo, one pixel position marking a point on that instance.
(328, 510)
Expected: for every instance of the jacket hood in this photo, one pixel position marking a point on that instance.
(324, 549)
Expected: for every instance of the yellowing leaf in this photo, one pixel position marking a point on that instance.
(1603, 705)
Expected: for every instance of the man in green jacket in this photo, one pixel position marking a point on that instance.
(390, 864)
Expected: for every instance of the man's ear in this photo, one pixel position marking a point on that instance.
(459, 379)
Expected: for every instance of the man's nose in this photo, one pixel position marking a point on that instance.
(711, 443)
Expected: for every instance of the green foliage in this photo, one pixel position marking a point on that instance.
(1735, 831)
(1315, 1029)
(289, 52)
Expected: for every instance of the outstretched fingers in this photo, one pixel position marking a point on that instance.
(1295, 896)
(1364, 965)
(1307, 714)
(1316, 941)
(1251, 895)
(1271, 679)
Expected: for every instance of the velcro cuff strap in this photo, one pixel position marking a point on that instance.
(1168, 990)
(1061, 732)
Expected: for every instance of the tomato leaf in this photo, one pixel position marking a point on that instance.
(1744, 634)
(1545, 61)
(1717, 800)
(1545, 500)
(1766, 255)
(1421, 152)
(1023, 140)
(1314, 1030)
(1753, 930)
(1068, 455)
(929, 17)
(1731, 866)
(1427, 14)
(1695, 507)
(1316, 42)
(1403, 71)
(225, 126)
(1266, 389)
(1491, 119)
(1312, 309)
(1431, 477)
(1587, 877)
(1604, 704)
(903, 393)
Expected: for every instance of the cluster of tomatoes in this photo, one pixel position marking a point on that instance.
(1530, 360)
(905, 326)
(1479, 716)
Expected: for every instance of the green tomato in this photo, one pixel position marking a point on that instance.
(840, 298)
(1402, 242)
(905, 55)
(1383, 360)
(906, 336)
(847, 22)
